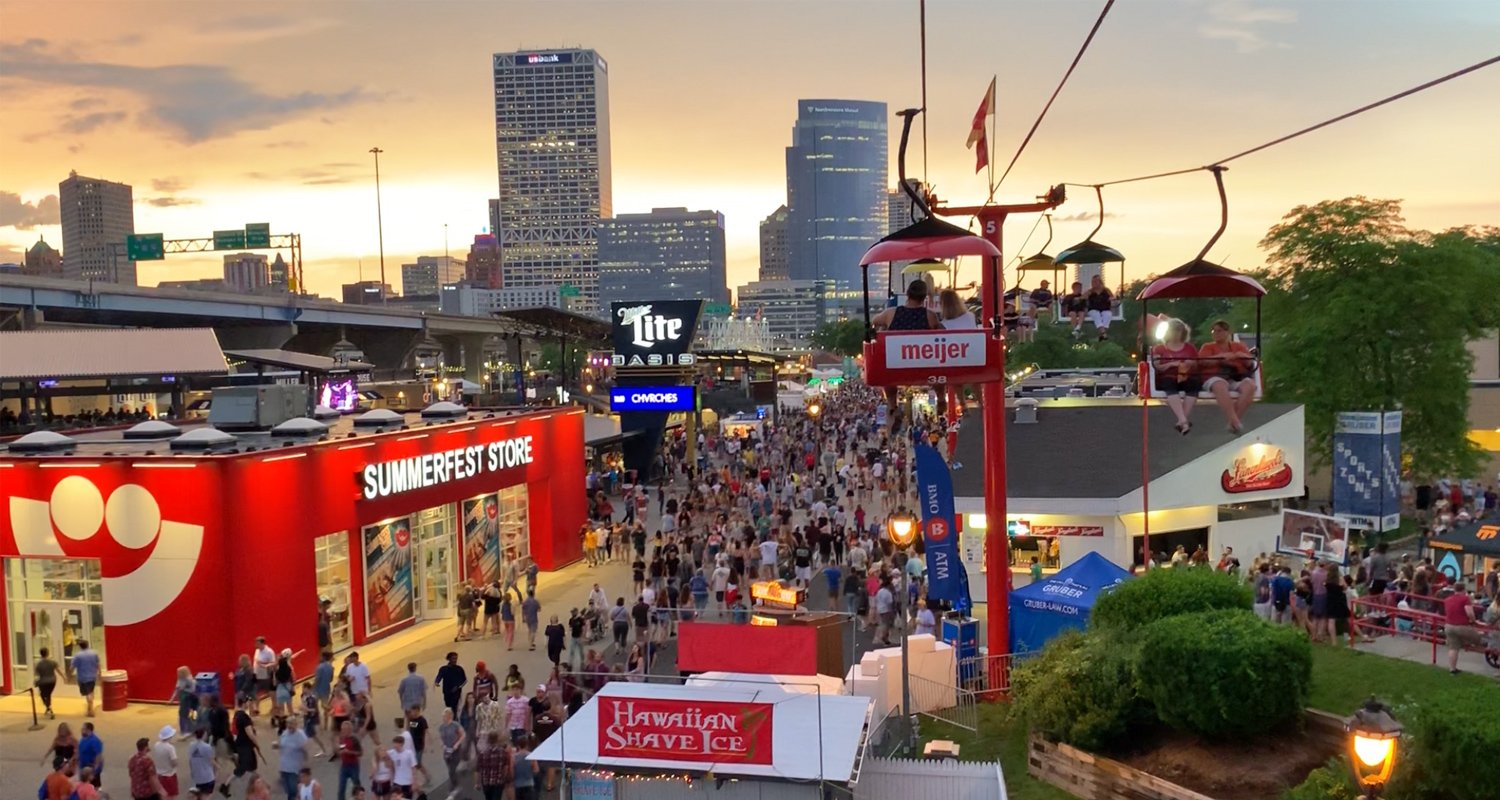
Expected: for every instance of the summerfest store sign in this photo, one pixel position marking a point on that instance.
(386, 478)
(685, 730)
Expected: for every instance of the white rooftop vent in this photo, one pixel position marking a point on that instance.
(1077, 391)
(1118, 391)
(379, 418)
(43, 442)
(1026, 411)
(444, 410)
(300, 426)
(205, 438)
(153, 429)
(324, 412)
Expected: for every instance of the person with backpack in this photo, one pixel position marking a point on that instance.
(493, 769)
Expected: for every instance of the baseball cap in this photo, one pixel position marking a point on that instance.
(541, 687)
(166, 733)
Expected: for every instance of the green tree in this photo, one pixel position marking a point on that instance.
(845, 337)
(1054, 348)
(1363, 314)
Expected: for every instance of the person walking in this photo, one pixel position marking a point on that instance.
(508, 619)
(91, 752)
(554, 635)
(164, 760)
(292, 755)
(86, 671)
(144, 784)
(202, 771)
(350, 751)
(412, 688)
(531, 611)
(44, 678)
(493, 768)
(455, 742)
(450, 680)
(523, 777)
(575, 638)
(619, 617)
(1458, 624)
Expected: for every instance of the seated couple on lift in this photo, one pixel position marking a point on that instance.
(1224, 367)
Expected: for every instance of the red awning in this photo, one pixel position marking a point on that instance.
(1199, 278)
(928, 238)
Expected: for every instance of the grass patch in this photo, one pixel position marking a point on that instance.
(1001, 737)
(1343, 678)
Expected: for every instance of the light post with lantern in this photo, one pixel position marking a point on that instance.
(901, 527)
(1373, 734)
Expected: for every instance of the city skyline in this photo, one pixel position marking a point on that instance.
(162, 102)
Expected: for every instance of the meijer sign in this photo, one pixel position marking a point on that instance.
(935, 349)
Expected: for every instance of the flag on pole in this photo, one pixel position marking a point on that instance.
(977, 132)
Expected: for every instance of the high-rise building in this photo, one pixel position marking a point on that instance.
(483, 266)
(43, 260)
(494, 215)
(367, 293)
(552, 145)
(96, 214)
(835, 188)
(281, 274)
(773, 247)
(1084, 274)
(470, 300)
(668, 254)
(792, 310)
(421, 282)
(246, 272)
(900, 210)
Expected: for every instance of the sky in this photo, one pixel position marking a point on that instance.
(222, 113)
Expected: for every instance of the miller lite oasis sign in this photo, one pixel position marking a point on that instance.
(663, 729)
(655, 334)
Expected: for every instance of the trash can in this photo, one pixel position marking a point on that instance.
(206, 683)
(115, 687)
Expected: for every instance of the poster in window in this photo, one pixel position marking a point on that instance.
(482, 539)
(388, 580)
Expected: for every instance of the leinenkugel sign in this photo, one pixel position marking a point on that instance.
(386, 478)
(685, 730)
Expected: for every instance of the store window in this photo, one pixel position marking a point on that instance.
(1164, 546)
(331, 554)
(389, 599)
(496, 536)
(1043, 548)
(52, 603)
(515, 539)
(1237, 511)
(434, 530)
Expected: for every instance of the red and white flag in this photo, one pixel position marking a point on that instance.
(977, 132)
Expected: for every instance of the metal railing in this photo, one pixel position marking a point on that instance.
(954, 705)
(988, 676)
(1377, 616)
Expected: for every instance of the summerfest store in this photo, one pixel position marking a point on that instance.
(161, 559)
(1074, 478)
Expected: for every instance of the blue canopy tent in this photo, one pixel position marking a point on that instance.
(1044, 609)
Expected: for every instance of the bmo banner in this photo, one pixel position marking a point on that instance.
(655, 334)
(662, 729)
(652, 398)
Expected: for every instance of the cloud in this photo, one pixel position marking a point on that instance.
(1085, 216)
(88, 123)
(168, 185)
(286, 144)
(326, 174)
(169, 202)
(261, 27)
(86, 103)
(21, 215)
(192, 102)
(1241, 23)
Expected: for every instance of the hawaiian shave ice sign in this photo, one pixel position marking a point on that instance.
(685, 730)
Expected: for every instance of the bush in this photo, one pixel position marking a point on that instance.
(1161, 593)
(1223, 674)
(1081, 690)
(1332, 781)
(1445, 745)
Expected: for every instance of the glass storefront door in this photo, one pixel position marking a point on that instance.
(332, 558)
(52, 603)
(434, 530)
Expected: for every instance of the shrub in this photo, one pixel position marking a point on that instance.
(1447, 741)
(1332, 781)
(1222, 674)
(1080, 688)
(1161, 593)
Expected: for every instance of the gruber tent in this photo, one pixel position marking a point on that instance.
(1044, 609)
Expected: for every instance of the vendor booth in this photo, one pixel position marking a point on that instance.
(167, 546)
(1060, 601)
(642, 741)
(1075, 483)
(1465, 551)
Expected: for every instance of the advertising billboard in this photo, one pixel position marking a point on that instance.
(389, 598)
(1367, 469)
(652, 398)
(661, 729)
(1313, 536)
(658, 333)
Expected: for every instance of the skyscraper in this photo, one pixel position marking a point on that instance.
(42, 259)
(835, 188)
(668, 254)
(96, 214)
(773, 247)
(552, 145)
(483, 267)
(246, 272)
(421, 282)
(900, 209)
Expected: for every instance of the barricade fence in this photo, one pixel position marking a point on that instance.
(1378, 615)
(954, 705)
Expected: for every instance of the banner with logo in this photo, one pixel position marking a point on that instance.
(685, 730)
(591, 785)
(482, 539)
(389, 598)
(947, 579)
(1313, 536)
(658, 333)
(1367, 469)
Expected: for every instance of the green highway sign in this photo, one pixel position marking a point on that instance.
(258, 235)
(716, 309)
(229, 240)
(568, 290)
(145, 247)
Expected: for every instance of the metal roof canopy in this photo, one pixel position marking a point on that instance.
(547, 321)
(109, 353)
(302, 362)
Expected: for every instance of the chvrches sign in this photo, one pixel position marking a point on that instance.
(685, 730)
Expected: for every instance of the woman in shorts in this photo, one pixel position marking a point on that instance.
(1230, 367)
(1176, 363)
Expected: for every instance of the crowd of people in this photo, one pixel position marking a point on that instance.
(27, 420)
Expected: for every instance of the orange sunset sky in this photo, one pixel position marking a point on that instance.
(221, 113)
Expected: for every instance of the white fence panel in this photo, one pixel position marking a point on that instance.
(908, 779)
(706, 790)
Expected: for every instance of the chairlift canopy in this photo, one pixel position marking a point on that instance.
(928, 238)
(1041, 262)
(1201, 278)
(1089, 251)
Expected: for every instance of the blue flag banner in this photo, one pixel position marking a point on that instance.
(1367, 469)
(946, 577)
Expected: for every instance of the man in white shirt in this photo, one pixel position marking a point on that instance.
(265, 662)
(358, 673)
(404, 765)
(648, 596)
(768, 558)
(164, 758)
(717, 582)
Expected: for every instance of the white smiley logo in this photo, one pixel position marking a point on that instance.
(77, 510)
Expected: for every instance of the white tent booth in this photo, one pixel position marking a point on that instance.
(752, 740)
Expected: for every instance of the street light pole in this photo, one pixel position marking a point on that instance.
(379, 222)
